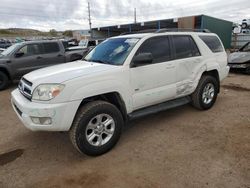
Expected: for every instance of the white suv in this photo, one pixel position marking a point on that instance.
(124, 77)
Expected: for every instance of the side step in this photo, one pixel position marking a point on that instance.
(159, 107)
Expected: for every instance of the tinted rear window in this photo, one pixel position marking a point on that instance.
(213, 43)
(185, 47)
(51, 47)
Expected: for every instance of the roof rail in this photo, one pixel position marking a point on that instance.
(182, 30)
(141, 31)
(167, 30)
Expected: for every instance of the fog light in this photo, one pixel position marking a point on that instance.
(42, 120)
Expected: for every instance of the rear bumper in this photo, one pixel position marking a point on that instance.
(224, 73)
(61, 114)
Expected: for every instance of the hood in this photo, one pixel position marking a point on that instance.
(67, 71)
(239, 57)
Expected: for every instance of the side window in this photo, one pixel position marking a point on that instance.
(212, 42)
(31, 49)
(159, 47)
(51, 47)
(182, 47)
(195, 50)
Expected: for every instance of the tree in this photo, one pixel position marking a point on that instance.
(53, 32)
(68, 33)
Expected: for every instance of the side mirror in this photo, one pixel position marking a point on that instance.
(19, 54)
(142, 59)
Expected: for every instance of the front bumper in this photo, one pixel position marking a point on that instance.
(61, 114)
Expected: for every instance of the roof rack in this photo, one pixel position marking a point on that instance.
(182, 30)
(167, 30)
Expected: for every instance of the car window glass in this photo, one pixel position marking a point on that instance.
(112, 51)
(195, 50)
(159, 48)
(212, 42)
(183, 48)
(51, 47)
(246, 48)
(30, 49)
(92, 43)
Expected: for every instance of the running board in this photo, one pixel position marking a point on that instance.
(159, 107)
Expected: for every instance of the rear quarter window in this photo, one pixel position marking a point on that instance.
(185, 47)
(213, 43)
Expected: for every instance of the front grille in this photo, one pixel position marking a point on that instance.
(24, 87)
(27, 82)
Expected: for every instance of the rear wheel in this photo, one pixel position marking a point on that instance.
(206, 93)
(97, 128)
(4, 81)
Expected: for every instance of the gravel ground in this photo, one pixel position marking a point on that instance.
(177, 148)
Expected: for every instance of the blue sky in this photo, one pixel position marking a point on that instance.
(72, 14)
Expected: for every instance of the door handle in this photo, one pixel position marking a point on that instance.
(39, 57)
(59, 55)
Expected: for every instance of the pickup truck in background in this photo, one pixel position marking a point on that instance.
(22, 58)
(86, 45)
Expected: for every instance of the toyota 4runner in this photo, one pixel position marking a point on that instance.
(123, 78)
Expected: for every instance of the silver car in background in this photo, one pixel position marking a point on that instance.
(241, 59)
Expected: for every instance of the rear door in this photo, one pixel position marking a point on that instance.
(154, 83)
(29, 61)
(188, 62)
(52, 54)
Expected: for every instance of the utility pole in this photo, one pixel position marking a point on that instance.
(135, 15)
(90, 28)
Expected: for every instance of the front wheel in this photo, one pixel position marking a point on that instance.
(96, 128)
(4, 81)
(206, 93)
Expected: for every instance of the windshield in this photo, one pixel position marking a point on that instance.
(112, 51)
(83, 43)
(9, 50)
(245, 48)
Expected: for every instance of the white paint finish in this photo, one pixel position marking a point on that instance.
(138, 87)
(62, 114)
(153, 84)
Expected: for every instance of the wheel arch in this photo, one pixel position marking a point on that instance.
(112, 97)
(214, 73)
(4, 70)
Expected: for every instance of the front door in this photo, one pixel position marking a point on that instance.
(29, 60)
(154, 83)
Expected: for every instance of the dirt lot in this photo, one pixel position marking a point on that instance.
(182, 147)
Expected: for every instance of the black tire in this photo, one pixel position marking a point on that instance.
(4, 81)
(197, 99)
(78, 131)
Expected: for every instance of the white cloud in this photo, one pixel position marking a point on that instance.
(73, 14)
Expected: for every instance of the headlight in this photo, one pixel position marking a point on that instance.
(46, 92)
